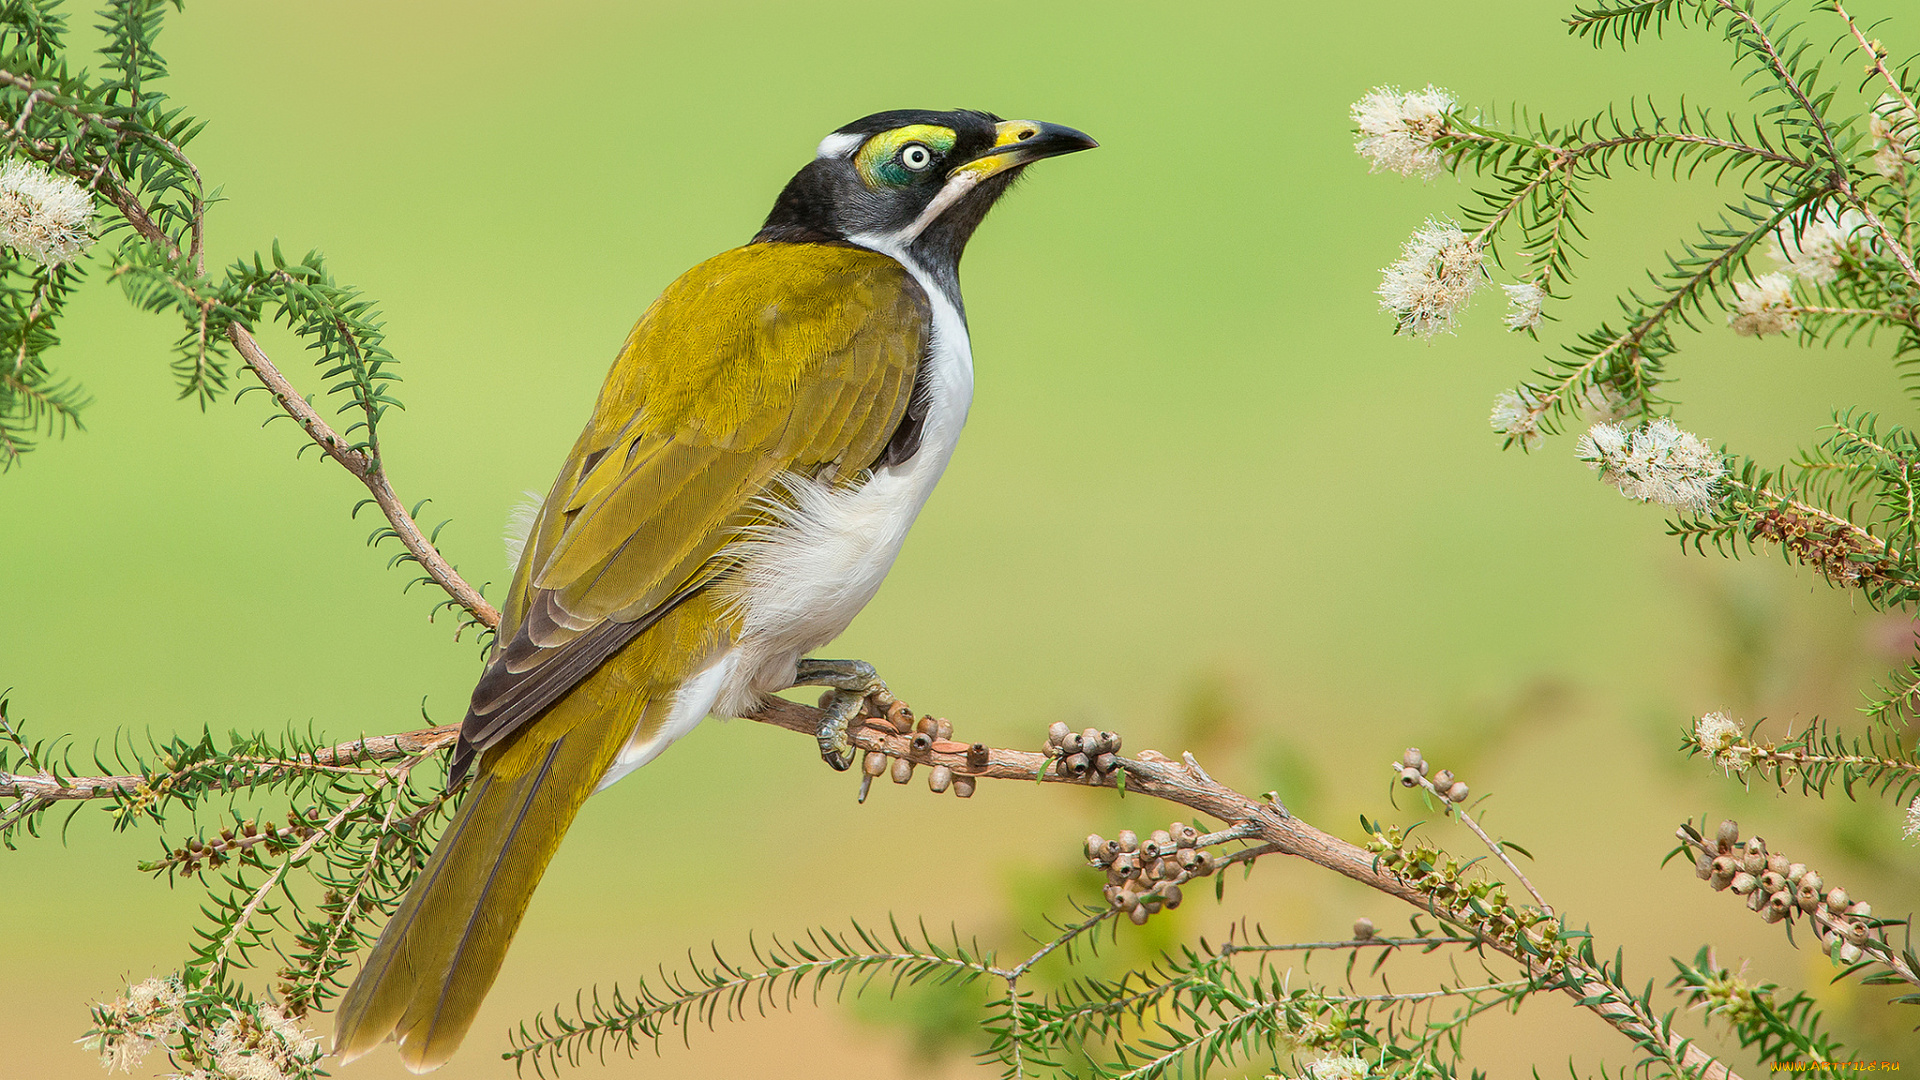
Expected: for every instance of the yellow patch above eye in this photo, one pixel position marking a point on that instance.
(878, 161)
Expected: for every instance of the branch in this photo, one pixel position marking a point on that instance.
(1158, 777)
(49, 788)
(366, 470)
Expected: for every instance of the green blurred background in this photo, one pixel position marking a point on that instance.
(1206, 499)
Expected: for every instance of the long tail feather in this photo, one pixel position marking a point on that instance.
(438, 955)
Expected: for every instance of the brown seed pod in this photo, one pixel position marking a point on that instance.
(1411, 759)
(1458, 792)
(1757, 899)
(874, 763)
(963, 786)
(1185, 835)
(1757, 847)
(1744, 883)
(1702, 864)
(1205, 865)
(1777, 907)
(925, 726)
(1076, 765)
(1849, 953)
(1057, 733)
(1773, 882)
(939, 778)
(943, 729)
(1443, 779)
(1096, 848)
(1126, 863)
(902, 770)
(1170, 895)
(1729, 835)
(1111, 740)
(1409, 778)
(1113, 893)
(1860, 909)
(899, 717)
(1722, 874)
(1071, 744)
(1808, 898)
(1777, 863)
(1189, 858)
(1855, 932)
(1838, 900)
(1363, 929)
(1163, 838)
(1796, 871)
(922, 741)
(978, 755)
(1128, 841)
(1138, 913)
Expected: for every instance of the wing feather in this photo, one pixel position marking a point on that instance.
(765, 360)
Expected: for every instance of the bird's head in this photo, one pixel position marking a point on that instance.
(912, 181)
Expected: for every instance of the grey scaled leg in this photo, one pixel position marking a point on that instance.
(850, 683)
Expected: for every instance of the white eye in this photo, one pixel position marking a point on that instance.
(915, 157)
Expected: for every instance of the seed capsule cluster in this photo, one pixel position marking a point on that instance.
(1091, 754)
(1143, 877)
(1776, 888)
(234, 841)
(926, 731)
(1413, 769)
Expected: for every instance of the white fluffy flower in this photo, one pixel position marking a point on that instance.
(1338, 1068)
(1724, 740)
(138, 1022)
(1515, 416)
(1397, 130)
(1913, 819)
(1523, 305)
(45, 217)
(1602, 401)
(266, 1046)
(1895, 131)
(1763, 306)
(1812, 248)
(1438, 269)
(1657, 463)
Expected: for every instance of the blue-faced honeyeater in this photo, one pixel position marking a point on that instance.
(767, 435)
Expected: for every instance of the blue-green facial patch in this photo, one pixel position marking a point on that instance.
(904, 155)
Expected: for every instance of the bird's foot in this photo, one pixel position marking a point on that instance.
(850, 684)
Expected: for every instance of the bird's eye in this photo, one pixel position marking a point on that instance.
(915, 157)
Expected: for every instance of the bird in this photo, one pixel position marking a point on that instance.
(766, 436)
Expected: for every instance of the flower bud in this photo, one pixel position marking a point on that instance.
(874, 763)
(1458, 792)
(963, 786)
(1057, 733)
(939, 778)
(1729, 835)
(1363, 929)
(902, 770)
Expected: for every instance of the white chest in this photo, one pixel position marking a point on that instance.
(803, 581)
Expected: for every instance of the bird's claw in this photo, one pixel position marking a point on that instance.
(851, 684)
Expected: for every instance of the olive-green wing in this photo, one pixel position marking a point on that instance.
(764, 360)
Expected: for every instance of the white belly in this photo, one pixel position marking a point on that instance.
(801, 581)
